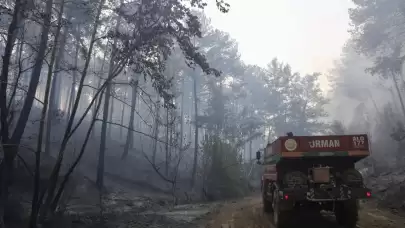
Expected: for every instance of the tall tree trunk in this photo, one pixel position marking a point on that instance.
(394, 99)
(130, 133)
(182, 115)
(8, 51)
(171, 130)
(77, 160)
(66, 103)
(35, 196)
(98, 86)
(122, 113)
(190, 132)
(11, 149)
(194, 172)
(101, 156)
(17, 78)
(17, 75)
(156, 129)
(167, 143)
(53, 179)
(54, 99)
(111, 112)
(72, 96)
(103, 138)
(401, 101)
(250, 151)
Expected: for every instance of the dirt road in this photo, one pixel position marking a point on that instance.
(247, 213)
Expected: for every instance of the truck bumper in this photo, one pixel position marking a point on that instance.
(294, 194)
(320, 195)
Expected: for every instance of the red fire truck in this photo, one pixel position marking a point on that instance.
(314, 173)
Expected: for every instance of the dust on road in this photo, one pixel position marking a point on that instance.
(247, 213)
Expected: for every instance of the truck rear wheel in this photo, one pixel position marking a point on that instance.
(347, 213)
(279, 216)
(267, 204)
(267, 207)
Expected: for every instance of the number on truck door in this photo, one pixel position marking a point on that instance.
(358, 141)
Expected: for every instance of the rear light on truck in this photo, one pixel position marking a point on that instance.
(286, 197)
(368, 194)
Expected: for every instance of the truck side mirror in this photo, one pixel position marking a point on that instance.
(258, 155)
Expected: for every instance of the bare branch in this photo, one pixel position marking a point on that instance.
(157, 170)
(26, 166)
(124, 102)
(140, 132)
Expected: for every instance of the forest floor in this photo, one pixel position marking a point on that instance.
(247, 213)
(243, 213)
(125, 211)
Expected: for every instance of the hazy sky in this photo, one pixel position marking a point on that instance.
(308, 34)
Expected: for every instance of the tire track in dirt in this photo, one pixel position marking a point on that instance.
(247, 213)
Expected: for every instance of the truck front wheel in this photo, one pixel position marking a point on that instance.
(347, 213)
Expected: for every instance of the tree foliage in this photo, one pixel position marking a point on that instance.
(290, 102)
(223, 177)
(373, 104)
(378, 25)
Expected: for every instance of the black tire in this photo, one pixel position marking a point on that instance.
(267, 207)
(267, 204)
(347, 214)
(352, 178)
(280, 217)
